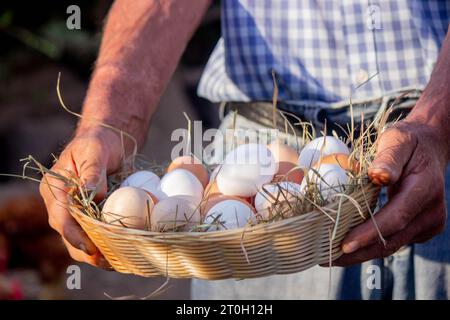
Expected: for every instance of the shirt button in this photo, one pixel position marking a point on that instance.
(361, 76)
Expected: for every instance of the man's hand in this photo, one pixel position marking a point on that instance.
(135, 63)
(90, 155)
(411, 160)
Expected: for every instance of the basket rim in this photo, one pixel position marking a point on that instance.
(309, 216)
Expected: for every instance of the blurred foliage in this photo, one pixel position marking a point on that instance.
(33, 32)
(6, 19)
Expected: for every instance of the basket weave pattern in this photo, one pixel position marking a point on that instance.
(283, 247)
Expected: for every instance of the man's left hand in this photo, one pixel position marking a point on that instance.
(411, 160)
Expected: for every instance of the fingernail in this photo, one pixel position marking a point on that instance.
(350, 247)
(384, 177)
(381, 174)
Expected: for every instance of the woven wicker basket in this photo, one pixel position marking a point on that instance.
(281, 247)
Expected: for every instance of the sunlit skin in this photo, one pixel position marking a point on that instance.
(141, 46)
(140, 49)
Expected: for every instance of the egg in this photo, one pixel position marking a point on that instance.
(288, 171)
(229, 214)
(329, 178)
(146, 180)
(340, 159)
(211, 189)
(211, 201)
(181, 182)
(282, 152)
(246, 169)
(275, 193)
(177, 213)
(129, 207)
(286, 158)
(192, 165)
(249, 200)
(320, 147)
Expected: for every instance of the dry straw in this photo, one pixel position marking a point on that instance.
(301, 233)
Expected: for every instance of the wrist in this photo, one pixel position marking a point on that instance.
(113, 128)
(116, 145)
(113, 100)
(433, 108)
(101, 143)
(435, 130)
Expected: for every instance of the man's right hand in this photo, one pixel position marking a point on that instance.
(90, 155)
(130, 75)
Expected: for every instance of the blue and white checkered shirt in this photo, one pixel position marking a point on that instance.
(321, 50)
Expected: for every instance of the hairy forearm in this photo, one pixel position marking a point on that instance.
(433, 107)
(142, 43)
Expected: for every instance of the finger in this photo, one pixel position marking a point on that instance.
(437, 227)
(394, 150)
(421, 225)
(54, 192)
(392, 218)
(92, 173)
(428, 235)
(97, 260)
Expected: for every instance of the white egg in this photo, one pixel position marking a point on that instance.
(246, 169)
(146, 180)
(178, 213)
(158, 194)
(229, 214)
(275, 193)
(180, 182)
(329, 178)
(318, 147)
(129, 207)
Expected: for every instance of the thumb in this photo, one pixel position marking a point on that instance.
(395, 148)
(93, 176)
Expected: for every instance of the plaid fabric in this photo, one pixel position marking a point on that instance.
(322, 50)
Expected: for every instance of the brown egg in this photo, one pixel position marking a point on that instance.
(190, 164)
(212, 200)
(286, 158)
(250, 200)
(283, 153)
(342, 160)
(211, 189)
(288, 171)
